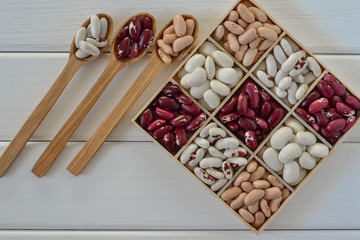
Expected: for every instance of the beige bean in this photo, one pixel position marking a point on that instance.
(228, 202)
(273, 27)
(190, 26)
(233, 16)
(181, 43)
(265, 177)
(179, 25)
(257, 174)
(251, 167)
(170, 38)
(169, 30)
(253, 208)
(219, 32)
(267, 33)
(275, 182)
(227, 48)
(230, 193)
(165, 47)
(234, 28)
(259, 219)
(233, 42)
(245, 13)
(164, 57)
(243, 176)
(274, 204)
(248, 36)
(242, 23)
(238, 202)
(265, 44)
(261, 184)
(254, 196)
(226, 33)
(240, 54)
(255, 43)
(264, 206)
(259, 15)
(174, 54)
(285, 193)
(254, 25)
(272, 193)
(249, 56)
(245, 214)
(247, 186)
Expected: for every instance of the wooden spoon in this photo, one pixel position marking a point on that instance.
(48, 101)
(154, 66)
(114, 66)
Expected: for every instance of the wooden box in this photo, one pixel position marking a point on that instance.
(249, 72)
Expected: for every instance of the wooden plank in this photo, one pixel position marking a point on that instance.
(124, 188)
(50, 26)
(20, 92)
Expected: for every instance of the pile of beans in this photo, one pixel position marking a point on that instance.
(176, 38)
(288, 71)
(292, 151)
(214, 156)
(171, 118)
(255, 194)
(210, 75)
(89, 40)
(330, 109)
(247, 34)
(251, 114)
(134, 38)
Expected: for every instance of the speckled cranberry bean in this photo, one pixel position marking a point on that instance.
(350, 121)
(229, 117)
(250, 140)
(305, 115)
(344, 109)
(145, 40)
(156, 124)
(123, 48)
(253, 94)
(168, 142)
(318, 105)
(180, 136)
(181, 120)
(196, 122)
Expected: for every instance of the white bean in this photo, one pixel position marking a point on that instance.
(271, 67)
(205, 131)
(286, 47)
(80, 36)
(264, 78)
(210, 67)
(226, 75)
(194, 62)
(222, 59)
(211, 98)
(279, 55)
(95, 26)
(103, 27)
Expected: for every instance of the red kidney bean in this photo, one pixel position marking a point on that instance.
(168, 103)
(171, 90)
(318, 105)
(196, 122)
(321, 118)
(229, 117)
(332, 113)
(146, 39)
(250, 113)
(338, 88)
(181, 120)
(250, 140)
(247, 124)
(241, 133)
(328, 134)
(261, 123)
(335, 100)
(265, 110)
(264, 96)
(315, 126)
(134, 51)
(183, 99)
(336, 125)
(180, 136)
(349, 123)
(304, 115)
(229, 106)
(135, 29)
(309, 99)
(352, 101)
(253, 93)
(191, 108)
(259, 138)
(344, 109)
(160, 132)
(156, 124)
(146, 118)
(168, 142)
(276, 117)
(123, 33)
(325, 89)
(232, 126)
(274, 105)
(123, 48)
(164, 114)
(242, 103)
(146, 23)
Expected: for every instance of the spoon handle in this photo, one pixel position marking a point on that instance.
(113, 118)
(38, 115)
(47, 158)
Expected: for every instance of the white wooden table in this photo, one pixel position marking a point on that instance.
(132, 189)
